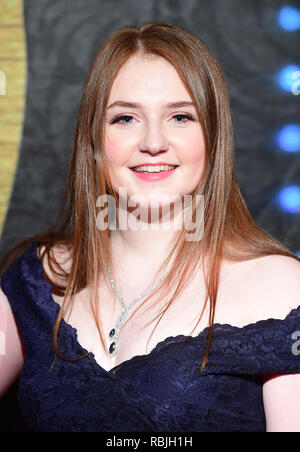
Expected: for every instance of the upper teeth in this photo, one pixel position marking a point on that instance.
(154, 169)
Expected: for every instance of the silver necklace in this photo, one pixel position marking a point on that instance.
(114, 332)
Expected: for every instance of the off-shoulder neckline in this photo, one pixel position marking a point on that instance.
(218, 328)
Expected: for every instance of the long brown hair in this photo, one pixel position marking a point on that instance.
(229, 229)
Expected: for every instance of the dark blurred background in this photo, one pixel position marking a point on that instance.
(255, 41)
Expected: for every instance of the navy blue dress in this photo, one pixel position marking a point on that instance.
(159, 392)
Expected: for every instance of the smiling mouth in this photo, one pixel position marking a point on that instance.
(149, 169)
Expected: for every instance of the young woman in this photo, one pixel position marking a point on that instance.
(79, 302)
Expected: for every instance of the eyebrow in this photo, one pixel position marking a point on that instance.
(177, 104)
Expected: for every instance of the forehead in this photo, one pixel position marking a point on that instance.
(148, 76)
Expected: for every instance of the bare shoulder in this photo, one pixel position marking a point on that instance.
(273, 285)
(264, 287)
(279, 272)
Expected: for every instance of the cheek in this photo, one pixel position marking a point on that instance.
(114, 152)
(193, 151)
(118, 150)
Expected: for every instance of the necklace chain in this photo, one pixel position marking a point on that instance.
(114, 332)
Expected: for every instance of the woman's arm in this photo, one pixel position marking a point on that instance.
(11, 346)
(281, 397)
(281, 393)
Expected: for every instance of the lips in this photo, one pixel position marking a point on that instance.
(153, 176)
(153, 164)
(153, 169)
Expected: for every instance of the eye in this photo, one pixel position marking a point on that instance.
(125, 120)
(119, 119)
(187, 118)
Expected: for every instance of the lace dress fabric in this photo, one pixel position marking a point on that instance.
(163, 391)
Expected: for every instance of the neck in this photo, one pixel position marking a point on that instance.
(145, 248)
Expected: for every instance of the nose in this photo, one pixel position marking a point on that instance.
(154, 140)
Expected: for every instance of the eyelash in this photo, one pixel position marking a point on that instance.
(118, 118)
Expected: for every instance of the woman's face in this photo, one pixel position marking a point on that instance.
(152, 131)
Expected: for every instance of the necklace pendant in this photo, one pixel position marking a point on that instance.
(112, 348)
(112, 333)
(113, 336)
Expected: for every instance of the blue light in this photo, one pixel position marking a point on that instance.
(289, 18)
(285, 79)
(297, 253)
(289, 138)
(289, 199)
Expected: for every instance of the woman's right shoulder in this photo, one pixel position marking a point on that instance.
(12, 351)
